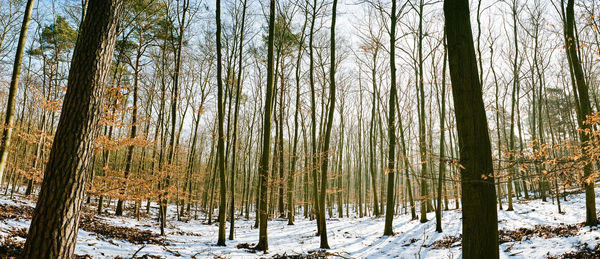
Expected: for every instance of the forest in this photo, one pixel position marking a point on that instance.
(299, 128)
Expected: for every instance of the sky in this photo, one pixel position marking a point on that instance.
(352, 21)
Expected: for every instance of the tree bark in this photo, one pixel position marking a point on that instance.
(9, 118)
(263, 168)
(313, 116)
(584, 110)
(390, 170)
(53, 230)
(235, 121)
(422, 130)
(480, 220)
(221, 136)
(324, 243)
(294, 158)
(442, 166)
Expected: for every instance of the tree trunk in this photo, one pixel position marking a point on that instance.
(221, 137)
(53, 230)
(324, 243)
(372, 142)
(359, 151)
(294, 154)
(263, 168)
(133, 132)
(442, 166)
(584, 110)
(480, 220)
(515, 93)
(422, 129)
(235, 121)
(390, 170)
(9, 117)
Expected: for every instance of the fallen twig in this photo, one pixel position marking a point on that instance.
(136, 252)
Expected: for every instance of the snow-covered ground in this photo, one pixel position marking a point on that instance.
(349, 237)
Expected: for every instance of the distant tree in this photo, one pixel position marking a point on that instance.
(143, 13)
(238, 91)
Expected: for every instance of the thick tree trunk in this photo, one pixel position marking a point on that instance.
(480, 220)
(53, 230)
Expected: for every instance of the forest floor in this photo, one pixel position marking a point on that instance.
(533, 230)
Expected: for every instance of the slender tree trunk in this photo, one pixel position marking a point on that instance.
(235, 121)
(263, 168)
(513, 103)
(584, 109)
(360, 148)
(325, 162)
(339, 175)
(221, 137)
(390, 170)
(407, 166)
(292, 173)
(133, 132)
(372, 141)
(313, 116)
(442, 166)
(9, 117)
(422, 129)
(279, 143)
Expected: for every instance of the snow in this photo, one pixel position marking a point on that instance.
(350, 237)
